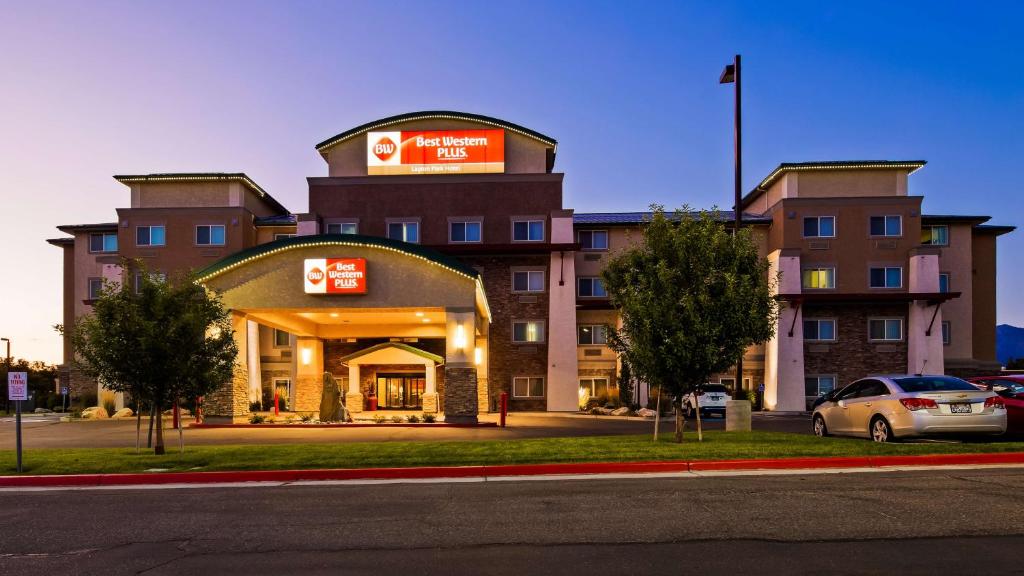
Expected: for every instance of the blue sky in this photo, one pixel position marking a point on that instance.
(630, 90)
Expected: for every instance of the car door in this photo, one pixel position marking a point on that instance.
(837, 417)
(862, 406)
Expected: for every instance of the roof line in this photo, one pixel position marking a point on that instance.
(400, 345)
(203, 177)
(912, 165)
(432, 114)
(72, 228)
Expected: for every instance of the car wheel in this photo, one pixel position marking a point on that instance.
(818, 424)
(880, 430)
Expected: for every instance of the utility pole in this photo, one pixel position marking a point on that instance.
(731, 74)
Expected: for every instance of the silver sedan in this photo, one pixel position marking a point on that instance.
(885, 408)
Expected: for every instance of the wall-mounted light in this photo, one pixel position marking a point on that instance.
(460, 337)
(478, 356)
(307, 356)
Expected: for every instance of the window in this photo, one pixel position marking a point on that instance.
(105, 242)
(528, 386)
(210, 235)
(887, 277)
(528, 331)
(820, 227)
(342, 228)
(912, 384)
(945, 333)
(886, 225)
(404, 231)
(282, 387)
(528, 231)
(150, 236)
(281, 339)
(95, 288)
(819, 385)
(944, 282)
(527, 280)
(819, 278)
(283, 236)
(464, 232)
(594, 386)
(591, 334)
(590, 287)
(885, 329)
(935, 235)
(819, 330)
(593, 239)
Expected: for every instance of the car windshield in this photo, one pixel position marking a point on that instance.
(933, 384)
(713, 389)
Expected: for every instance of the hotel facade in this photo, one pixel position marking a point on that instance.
(437, 268)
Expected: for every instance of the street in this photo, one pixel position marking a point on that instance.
(921, 522)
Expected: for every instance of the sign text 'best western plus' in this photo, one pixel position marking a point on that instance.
(435, 152)
(335, 276)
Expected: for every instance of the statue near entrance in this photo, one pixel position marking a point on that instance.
(331, 409)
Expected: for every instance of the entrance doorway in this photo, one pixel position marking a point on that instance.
(401, 391)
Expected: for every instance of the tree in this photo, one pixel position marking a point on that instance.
(160, 341)
(626, 385)
(692, 297)
(1015, 364)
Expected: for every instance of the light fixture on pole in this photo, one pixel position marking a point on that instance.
(731, 75)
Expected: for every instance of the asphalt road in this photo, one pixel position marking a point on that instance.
(929, 522)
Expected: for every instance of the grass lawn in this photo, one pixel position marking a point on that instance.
(716, 446)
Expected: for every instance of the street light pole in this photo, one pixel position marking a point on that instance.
(731, 75)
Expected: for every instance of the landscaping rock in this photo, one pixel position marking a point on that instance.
(645, 413)
(95, 413)
(603, 411)
(42, 411)
(620, 411)
(123, 413)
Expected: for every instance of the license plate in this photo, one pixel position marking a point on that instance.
(960, 408)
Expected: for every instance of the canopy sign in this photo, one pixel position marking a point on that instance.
(435, 152)
(335, 276)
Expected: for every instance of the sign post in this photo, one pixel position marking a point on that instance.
(17, 390)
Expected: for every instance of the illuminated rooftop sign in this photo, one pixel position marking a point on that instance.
(435, 152)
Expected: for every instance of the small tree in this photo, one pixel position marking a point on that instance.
(626, 385)
(692, 297)
(159, 341)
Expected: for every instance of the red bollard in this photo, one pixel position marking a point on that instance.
(277, 412)
(504, 407)
(176, 417)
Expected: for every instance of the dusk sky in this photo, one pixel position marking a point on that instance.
(629, 90)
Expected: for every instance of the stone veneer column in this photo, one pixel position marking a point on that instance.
(429, 398)
(563, 364)
(483, 397)
(784, 354)
(308, 385)
(353, 398)
(230, 402)
(460, 385)
(925, 354)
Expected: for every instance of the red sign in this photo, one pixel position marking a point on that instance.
(335, 276)
(435, 152)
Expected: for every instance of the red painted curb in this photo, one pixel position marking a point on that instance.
(352, 425)
(505, 470)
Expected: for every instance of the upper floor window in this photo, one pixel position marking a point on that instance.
(527, 280)
(886, 225)
(283, 236)
(528, 231)
(816, 329)
(887, 277)
(885, 329)
(95, 288)
(590, 287)
(404, 231)
(469, 231)
(105, 242)
(342, 228)
(593, 239)
(935, 235)
(528, 331)
(944, 282)
(281, 339)
(210, 235)
(820, 227)
(590, 334)
(150, 236)
(817, 278)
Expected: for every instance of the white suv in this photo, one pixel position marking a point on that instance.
(711, 401)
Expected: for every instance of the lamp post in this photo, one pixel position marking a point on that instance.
(731, 75)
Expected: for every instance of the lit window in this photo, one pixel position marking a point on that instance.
(150, 236)
(591, 334)
(342, 228)
(528, 386)
(210, 235)
(935, 235)
(883, 329)
(528, 231)
(819, 330)
(528, 281)
(281, 339)
(95, 288)
(590, 287)
(946, 332)
(105, 242)
(528, 331)
(819, 227)
(404, 231)
(819, 278)
(886, 225)
(887, 277)
(593, 239)
(818, 385)
(464, 231)
(594, 386)
(944, 282)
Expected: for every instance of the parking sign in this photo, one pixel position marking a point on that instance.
(17, 386)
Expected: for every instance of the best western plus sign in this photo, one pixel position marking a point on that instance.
(335, 276)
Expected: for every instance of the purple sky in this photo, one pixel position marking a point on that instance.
(629, 90)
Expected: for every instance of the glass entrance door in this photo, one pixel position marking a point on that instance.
(401, 391)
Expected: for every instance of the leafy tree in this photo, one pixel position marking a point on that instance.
(1015, 364)
(626, 385)
(161, 343)
(42, 380)
(692, 296)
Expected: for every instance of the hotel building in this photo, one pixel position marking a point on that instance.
(437, 268)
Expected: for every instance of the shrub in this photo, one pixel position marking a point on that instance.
(307, 418)
(257, 419)
(255, 406)
(396, 419)
(412, 419)
(379, 418)
(88, 399)
(109, 405)
(429, 418)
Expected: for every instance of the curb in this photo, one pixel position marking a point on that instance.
(300, 425)
(578, 468)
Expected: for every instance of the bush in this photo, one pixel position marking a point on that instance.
(255, 407)
(257, 419)
(88, 399)
(307, 418)
(397, 419)
(379, 418)
(412, 419)
(429, 418)
(605, 400)
(109, 405)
